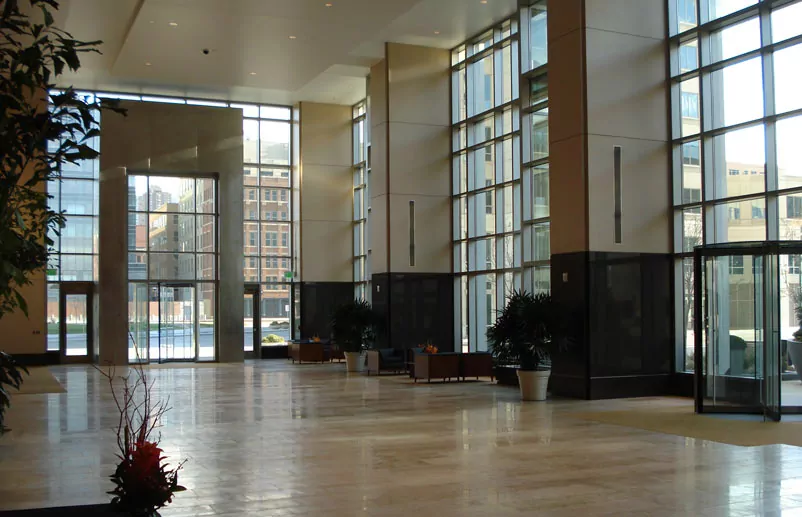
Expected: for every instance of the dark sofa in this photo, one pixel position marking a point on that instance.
(386, 360)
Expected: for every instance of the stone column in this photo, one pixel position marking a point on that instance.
(411, 195)
(326, 214)
(612, 275)
(111, 342)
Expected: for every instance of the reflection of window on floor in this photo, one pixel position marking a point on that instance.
(736, 265)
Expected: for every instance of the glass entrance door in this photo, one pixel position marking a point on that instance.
(737, 331)
(76, 326)
(177, 325)
(252, 323)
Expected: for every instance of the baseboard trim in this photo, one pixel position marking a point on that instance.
(46, 359)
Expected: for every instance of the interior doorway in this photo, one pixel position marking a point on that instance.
(252, 322)
(76, 322)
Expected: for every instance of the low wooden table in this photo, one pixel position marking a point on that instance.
(437, 366)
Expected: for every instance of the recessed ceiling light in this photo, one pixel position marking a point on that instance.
(148, 63)
(175, 24)
(482, 1)
(152, 21)
(292, 37)
(437, 32)
(329, 4)
(253, 73)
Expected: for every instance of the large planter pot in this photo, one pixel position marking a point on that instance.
(352, 361)
(533, 384)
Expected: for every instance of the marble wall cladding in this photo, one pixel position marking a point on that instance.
(619, 310)
(319, 300)
(416, 308)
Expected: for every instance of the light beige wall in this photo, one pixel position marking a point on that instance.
(568, 176)
(410, 139)
(186, 139)
(27, 335)
(326, 163)
(607, 73)
(379, 224)
(627, 106)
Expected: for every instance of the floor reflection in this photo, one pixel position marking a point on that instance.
(272, 438)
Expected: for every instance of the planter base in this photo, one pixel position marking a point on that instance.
(533, 384)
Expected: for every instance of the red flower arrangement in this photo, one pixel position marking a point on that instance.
(429, 348)
(143, 480)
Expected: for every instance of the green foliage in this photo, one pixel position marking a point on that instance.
(354, 325)
(10, 378)
(524, 330)
(33, 55)
(272, 338)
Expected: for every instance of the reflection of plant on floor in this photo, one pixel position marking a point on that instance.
(143, 481)
(10, 377)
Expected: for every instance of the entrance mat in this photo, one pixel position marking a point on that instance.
(40, 380)
(682, 421)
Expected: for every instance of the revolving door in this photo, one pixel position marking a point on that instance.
(744, 324)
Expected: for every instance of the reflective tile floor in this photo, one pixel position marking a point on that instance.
(273, 439)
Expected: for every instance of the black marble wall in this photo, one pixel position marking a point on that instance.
(416, 308)
(318, 302)
(619, 306)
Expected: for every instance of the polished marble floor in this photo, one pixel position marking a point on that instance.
(274, 439)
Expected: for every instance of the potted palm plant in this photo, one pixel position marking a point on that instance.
(522, 335)
(353, 327)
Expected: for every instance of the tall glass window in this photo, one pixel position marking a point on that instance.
(268, 187)
(535, 144)
(736, 129)
(500, 128)
(74, 258)
(267, 214)
(361, 153)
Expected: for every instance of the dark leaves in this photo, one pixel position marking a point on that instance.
(36, 139)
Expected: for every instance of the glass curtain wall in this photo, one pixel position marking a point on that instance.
(361, 151)
(269, 248)
(494, 211)
(535, 144)
(172, 257)
(74, 257)
(737, 167)
(267, 228)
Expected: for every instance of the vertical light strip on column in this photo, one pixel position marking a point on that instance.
(412, 234)
(617, 214)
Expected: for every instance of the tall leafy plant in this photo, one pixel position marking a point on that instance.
(10, 378)
(37, 135)
(354, 325)
(36, 139)
(524, 331)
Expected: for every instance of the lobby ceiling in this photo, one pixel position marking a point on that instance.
(272, 51)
